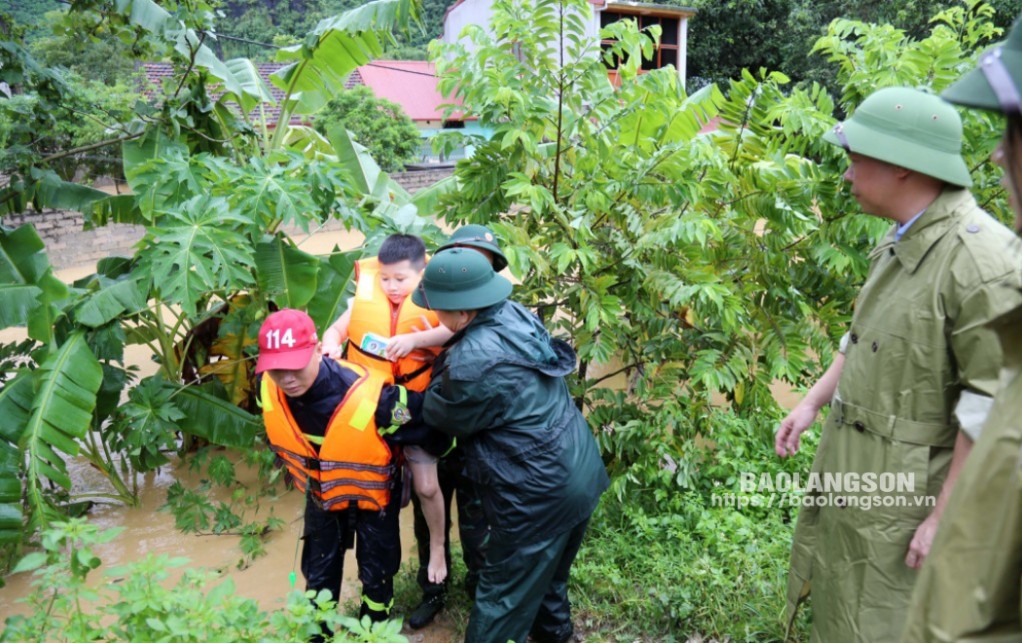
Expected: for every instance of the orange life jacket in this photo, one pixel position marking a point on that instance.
(353, 464)
(371, 312)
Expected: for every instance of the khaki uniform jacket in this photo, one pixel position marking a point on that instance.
(969, 587)
(920, 364)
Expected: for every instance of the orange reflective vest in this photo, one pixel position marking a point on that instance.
(353, 464)
(371, 312)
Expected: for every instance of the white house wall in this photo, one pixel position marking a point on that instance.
(480, 12)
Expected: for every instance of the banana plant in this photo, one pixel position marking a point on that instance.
(213, 190)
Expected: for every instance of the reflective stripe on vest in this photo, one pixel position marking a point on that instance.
(371, 313)
(353, 464)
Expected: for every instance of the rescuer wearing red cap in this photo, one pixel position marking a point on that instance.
(335, 426)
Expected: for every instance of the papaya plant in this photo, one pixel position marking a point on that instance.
(214, 185)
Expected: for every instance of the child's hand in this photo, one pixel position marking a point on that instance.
(335, 352)
(400, 345)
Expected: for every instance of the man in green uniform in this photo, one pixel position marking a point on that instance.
(969, 588)
(913, 381)
(499, 388)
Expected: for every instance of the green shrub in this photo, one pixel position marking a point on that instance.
(139, 604)
(390, 136)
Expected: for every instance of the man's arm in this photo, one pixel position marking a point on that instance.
(919, 548)
(804, 414)
(463, 407)
(977, 353)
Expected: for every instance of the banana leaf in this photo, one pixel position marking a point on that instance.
(334, 48)
(233, 369)
(363, 172)
(28, 289)
(428, 198)
(109, 299)
(15, 408)
(65, 396)
(335, 287)
(286, 274)
(119, 208)
(216, 419)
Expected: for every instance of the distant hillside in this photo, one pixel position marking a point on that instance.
(259, 21)
(29, 13)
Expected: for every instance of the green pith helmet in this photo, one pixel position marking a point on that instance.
(994, 83)
(460, 279)
(477, 236)
(908, 128)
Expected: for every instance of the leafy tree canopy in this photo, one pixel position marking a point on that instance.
(390, 136)
(729, 35)
(260, 21)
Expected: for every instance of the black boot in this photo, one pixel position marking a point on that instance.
(427, 610)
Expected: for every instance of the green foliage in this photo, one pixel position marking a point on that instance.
(213, 188)
(147, 425)
(671, 515)
(692, 269)
(726, 36)
(390, 136)
(29, 13)
(259, 21)
(140, 603)
(200, 511)
(87, 50)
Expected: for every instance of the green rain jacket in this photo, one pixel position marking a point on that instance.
(499, 388)
(921, 363)
(969, 586)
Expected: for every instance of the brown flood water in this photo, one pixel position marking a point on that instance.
(147, 530)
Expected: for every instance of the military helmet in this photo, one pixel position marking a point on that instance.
(995, 82)
(460, 279)
(908, 128)
(477, 236)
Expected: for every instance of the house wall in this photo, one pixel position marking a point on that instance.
(67, 244)
(469, 12)
(480, 11)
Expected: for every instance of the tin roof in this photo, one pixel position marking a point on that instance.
(412, 84)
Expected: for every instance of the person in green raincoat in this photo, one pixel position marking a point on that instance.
(969, 587)
(499, 388)
(912, 383)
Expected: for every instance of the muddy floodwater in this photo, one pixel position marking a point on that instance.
(147, 530)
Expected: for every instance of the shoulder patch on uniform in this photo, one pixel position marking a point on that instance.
(993, 248)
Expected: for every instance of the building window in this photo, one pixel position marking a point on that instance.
(665, 54)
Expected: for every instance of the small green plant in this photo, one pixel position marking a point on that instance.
(140, 604)
(199, 511)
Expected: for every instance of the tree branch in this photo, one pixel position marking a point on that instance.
(88, 148)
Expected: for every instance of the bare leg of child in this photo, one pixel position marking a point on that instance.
(427, 488)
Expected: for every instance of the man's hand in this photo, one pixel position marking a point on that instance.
(787, 438)
(919, 548)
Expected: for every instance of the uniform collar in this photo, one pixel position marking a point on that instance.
(926, 231)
